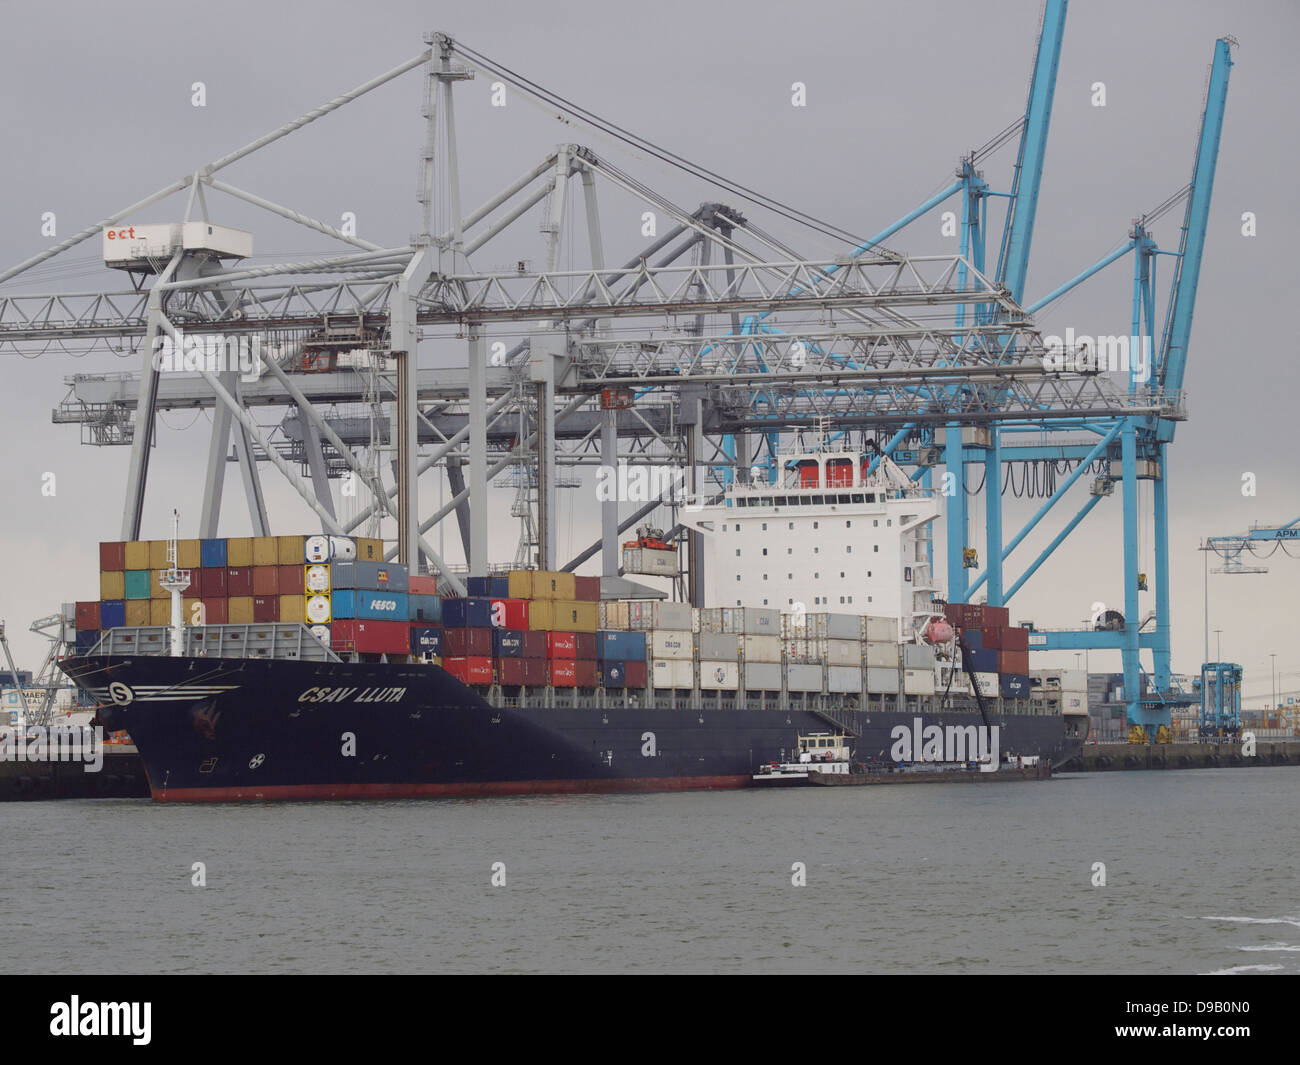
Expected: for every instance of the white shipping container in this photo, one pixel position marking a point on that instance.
(648, 560)
(841, 652)
(987, 684)
(844, 678)
(760, 648)
(752, 621)
(763, 676)
(670, 643)
(918, 682)
(667, 673)
(794, 626)
(879, 630)
(882, 681)
(643, 616)
(1072, 680)
(1074, 702)
(614, 616)
(918, 656)
(797, 649)
(828, 626)
(800, 678)
(709, 619)
(882, 655)
(719, 676)
(717, 645)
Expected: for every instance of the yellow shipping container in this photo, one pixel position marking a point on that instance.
(157, 555)
(293, 608)
(187, 554)
(112, 585)
(137, 554)
(160, 611)
(575, 617)
(521, 584)
(548, 584)
(292, 551)
(239, 551)
(541, 615)
(266, 551)
(369, 549)
(137, 612)
(239, 610)
(156, 590)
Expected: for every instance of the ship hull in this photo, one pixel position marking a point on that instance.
(225, 730)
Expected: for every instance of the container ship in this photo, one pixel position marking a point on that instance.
(308, 667)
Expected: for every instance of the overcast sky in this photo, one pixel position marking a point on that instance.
(97, 110)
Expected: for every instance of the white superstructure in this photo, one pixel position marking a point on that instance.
(828, 536)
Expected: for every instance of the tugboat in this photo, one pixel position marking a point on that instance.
(819, 752)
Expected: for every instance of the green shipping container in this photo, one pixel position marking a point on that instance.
(137, 584)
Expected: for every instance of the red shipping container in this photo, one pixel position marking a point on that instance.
(473, 670)
(992, 639)
(467, 642)
(266, 608)
(561, 645)
(535, 671)
(1013, 661)
(422, 585)
(516, 613)
(586, 589)
(87, 616)
(562, 673)
(266, 580)
(512, 670)
(634, 674)
(112, 558)
(587, 673)
(212, 584)
(999, 616)
(215, 611)
(239, 580)
(371, 637)
(291, 579)
(585, 642)
(535, 646)
(1015, 639)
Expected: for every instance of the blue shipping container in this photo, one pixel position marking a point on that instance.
(984, 661)
(613, 675)
(620, 646)
(426, 641)
(467, 613)
(368, 605)
(1014, 685)
(427, 608)
(86, 640)
(370, 576)
(499, 588)
(507, 643)
(112, 613)
(974, 639)
(480, 587)
(212, 554)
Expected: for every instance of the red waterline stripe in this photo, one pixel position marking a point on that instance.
(419, 791)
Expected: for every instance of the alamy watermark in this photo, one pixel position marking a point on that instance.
(1102, 354)
(57, 743)
(214, 352)
(953, 743)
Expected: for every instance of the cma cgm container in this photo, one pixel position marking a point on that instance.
(671, 643)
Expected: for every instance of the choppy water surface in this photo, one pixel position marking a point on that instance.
(1201, 876)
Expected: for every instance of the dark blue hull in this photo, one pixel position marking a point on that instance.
(229, 729)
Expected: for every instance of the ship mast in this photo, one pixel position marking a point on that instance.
(175, 581)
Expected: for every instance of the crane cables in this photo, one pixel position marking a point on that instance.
(640, 143)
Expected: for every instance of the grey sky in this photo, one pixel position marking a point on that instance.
(96, 100)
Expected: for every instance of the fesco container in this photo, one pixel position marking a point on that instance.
(212, 554)
(507, 643)
(370, 605)
(621, 646)
(463, 613)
